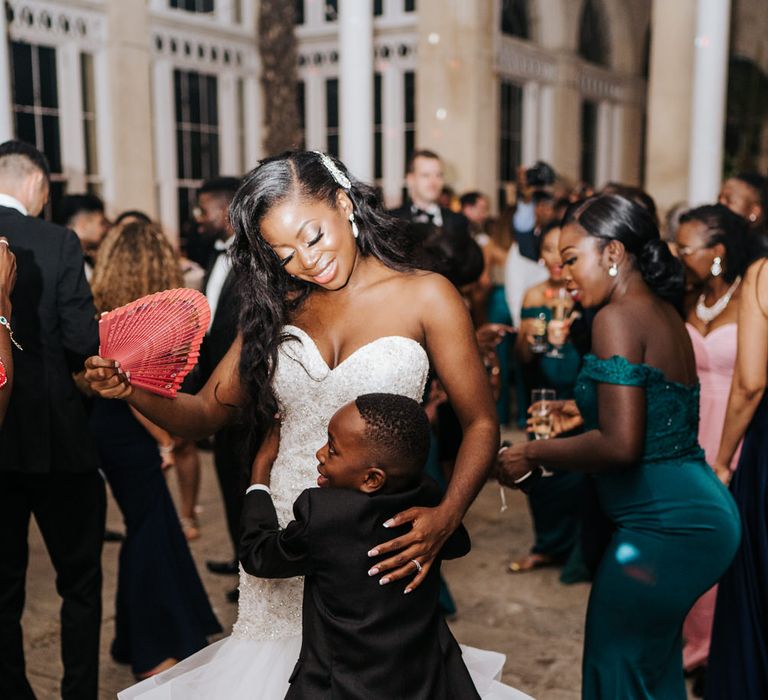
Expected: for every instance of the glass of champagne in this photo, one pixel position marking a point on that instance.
(562, 305)
(539, 332)
(541, 413)
(541, 405)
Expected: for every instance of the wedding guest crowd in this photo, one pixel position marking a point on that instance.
(654, 344)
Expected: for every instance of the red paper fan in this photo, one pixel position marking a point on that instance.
(156, 338)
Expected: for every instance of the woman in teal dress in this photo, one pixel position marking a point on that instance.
(555, 502)
(677, 527)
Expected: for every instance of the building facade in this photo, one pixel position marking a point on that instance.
(140, 100)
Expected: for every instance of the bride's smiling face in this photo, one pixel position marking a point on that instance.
(313, 240)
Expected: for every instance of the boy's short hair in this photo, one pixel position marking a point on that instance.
(399, 430)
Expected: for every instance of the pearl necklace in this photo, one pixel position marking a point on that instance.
(707, 314)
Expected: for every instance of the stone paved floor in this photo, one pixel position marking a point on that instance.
(532, 618)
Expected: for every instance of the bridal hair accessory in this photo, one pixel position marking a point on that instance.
(717, 267)
(156, 339)
(613, 270)
(707, 314)
(341, 179)
(419, 567)
(5, 322)
(355, 230)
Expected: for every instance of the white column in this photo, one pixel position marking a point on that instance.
(356, 86)
(165, 146)
(530, 145)
(71, 116)
(229, 126)
(393, 97)
(604, 143)
(546, 148)
(254, 118)
(104, 128)
(710, 76)
(6, 94)
(618, 132)
(314, 98)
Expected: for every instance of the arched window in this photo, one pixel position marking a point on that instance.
(514, 18)
(593, 34)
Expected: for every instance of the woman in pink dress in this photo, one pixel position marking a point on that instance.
(712, 243)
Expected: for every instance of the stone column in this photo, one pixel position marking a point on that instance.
(669, 100)
(129, 180)
(563, 119)
(457, 103)
(356, 86)
(165, 147)
(6, 117)
(710, 79)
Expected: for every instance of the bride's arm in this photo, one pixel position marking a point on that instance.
(189, 416)
(452, 348)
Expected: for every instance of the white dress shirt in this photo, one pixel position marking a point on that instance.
(12, 203)
(218, 275)
(520, 274)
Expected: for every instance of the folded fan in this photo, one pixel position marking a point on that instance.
(156, 339)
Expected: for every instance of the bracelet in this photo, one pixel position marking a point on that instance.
(5, 322)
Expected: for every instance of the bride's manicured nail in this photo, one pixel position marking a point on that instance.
(373, 571)
(384, 581)
(407, 591)
(373, 553)
(389, 523)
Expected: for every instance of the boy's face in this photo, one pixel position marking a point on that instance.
(344, 462)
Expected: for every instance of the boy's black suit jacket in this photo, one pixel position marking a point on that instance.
(360, 639)
(46, 428)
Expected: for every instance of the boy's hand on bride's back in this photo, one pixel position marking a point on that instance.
(266, 454)
(105, 378)
(430, 528)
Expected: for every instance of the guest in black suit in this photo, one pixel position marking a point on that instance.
(229, 450)
(48, 461)
(359, 639)
(7, 282)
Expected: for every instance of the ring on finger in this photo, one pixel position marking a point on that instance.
(419, 567)
(4, 242)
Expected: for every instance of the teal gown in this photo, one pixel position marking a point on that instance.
(677, 532)
(555, 503)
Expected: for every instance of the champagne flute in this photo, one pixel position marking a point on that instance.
(541, 413)
(543, 421)
(539, 328)
(562, 305)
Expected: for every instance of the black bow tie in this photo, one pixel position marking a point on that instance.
(423, 216)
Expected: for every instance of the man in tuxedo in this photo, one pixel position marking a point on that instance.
(212, 216)
(359, 639)
(48, 461)
(84, 214)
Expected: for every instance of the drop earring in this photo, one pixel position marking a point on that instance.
(717, 267)
(353, 223)
(613, 270)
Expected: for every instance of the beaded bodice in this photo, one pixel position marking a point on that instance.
(309, 393)
(672, 409)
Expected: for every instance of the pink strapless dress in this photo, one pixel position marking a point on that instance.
(715, 360)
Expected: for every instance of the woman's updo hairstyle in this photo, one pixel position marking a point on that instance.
(268, 294)
(729, 229)
(612, 217)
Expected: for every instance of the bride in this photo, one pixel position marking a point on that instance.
(331, 308)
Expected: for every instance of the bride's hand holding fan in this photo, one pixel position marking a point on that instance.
(151, 343)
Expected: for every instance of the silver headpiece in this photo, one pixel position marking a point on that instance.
(341, 179)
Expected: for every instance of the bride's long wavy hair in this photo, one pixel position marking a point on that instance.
(268, 295)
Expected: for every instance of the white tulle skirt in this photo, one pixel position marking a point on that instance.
(244, 669)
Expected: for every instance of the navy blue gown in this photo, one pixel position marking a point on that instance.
(162, 610)
(738, 656)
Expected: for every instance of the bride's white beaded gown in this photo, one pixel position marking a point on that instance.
(256, 661)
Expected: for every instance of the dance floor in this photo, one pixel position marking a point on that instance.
(532, 618)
